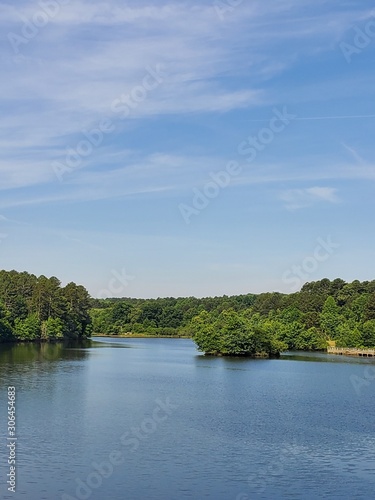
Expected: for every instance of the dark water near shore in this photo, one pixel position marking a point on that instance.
(186, 426)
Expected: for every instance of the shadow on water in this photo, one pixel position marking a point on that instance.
(113, 342)
(323, 357)
(13, 353)
(241, 363)
(30, 352)
(236, 363)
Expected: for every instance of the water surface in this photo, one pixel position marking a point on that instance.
(226, 428)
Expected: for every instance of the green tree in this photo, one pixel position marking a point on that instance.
(77, 317)
(101, 320)
(330, 318)
(310, 340)
(121, 312)
(152, 312)
(348, 335)
(368, 333)
(28, 329)
(205, 335)
(358, 308)
(231, 333)
(237, 337)
(6, 332)
(369, 310)
(28, 303)
(52, 328)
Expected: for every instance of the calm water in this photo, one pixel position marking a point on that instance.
(185, 425)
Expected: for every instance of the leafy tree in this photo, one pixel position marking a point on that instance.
(369, 312)
(152, 312)
(311, 339)
(330, 318)
(358, 308)
(28, 329)
(52, 328)
(38, 308)
(311, 319)
(34, 308)
(121, 312)
(6, 331)
(231, 334)
(368, 333)
(46, 298)
(237, 337)
(266, 302)
(171, 317)
(77, 317)
(290, 332)
(101, 320)
(348, 335)
(205, 335)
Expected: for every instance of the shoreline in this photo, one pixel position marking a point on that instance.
(140, 336)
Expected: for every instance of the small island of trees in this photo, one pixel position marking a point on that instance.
(234, 334)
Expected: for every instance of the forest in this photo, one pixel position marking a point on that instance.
(39, 308)
(323, 310)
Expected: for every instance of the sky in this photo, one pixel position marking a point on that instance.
(153, 148)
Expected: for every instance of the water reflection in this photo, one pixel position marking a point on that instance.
(27, 352)
(323, 357)
(243, 363)
(289, 428)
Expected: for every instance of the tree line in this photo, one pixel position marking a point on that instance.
(39, 308)
(33, 308)
(323, 310)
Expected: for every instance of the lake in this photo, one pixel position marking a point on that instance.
(154, 419)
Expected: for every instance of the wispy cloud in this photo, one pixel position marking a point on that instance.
(354, 154)
(302, 198)
(89, 54)
(221, 80)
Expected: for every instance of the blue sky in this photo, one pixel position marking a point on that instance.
(115, 115)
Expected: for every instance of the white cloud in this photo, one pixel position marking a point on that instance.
(301, 198)
(68, 75)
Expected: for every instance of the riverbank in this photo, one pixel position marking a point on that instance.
(139, 336)
(351, 351)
